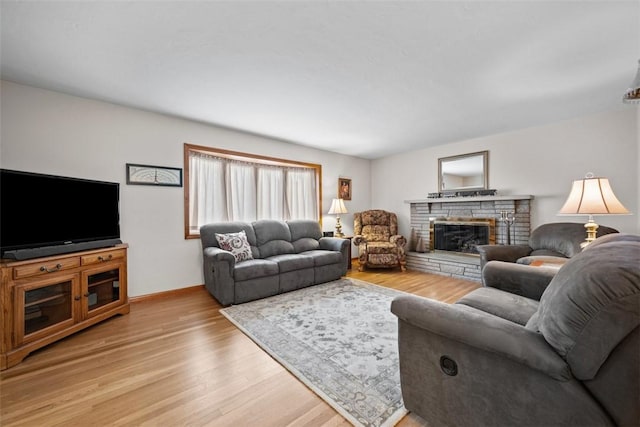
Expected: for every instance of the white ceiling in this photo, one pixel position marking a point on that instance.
(363, 78)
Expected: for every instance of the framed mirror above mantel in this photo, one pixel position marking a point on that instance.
(464, 172)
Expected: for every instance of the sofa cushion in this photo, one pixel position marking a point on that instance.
(276, 247)
(380, 248)
(305, 244)
(291, 262)
(304, 228)
(375, 216)
(562, 237)
(237, 244)
(254, 269)
(208, 234)
(542, 260)
(591, 305)
(305, 234)
(375, 225)
(376, 233)
(505, 305)
(272, 238)
(322, 257)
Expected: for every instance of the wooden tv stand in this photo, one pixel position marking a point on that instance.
(46, 299)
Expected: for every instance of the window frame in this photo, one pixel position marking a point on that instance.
(244, 157)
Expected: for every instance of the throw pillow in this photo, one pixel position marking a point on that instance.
(237, 244)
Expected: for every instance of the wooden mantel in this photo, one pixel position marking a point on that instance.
(470, 199)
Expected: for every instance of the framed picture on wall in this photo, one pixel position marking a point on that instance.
(344, 188)
(153, 175)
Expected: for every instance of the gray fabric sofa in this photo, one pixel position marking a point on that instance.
(499, 359)
(285, 256)
(554, 241)
(513, 267)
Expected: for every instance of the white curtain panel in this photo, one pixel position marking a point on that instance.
(241, 192)
(207, 192)
(228, 190)
(301, 194)
(270, 195)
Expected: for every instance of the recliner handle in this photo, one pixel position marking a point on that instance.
(448, 366)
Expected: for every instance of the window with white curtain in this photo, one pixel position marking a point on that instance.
(223, 185)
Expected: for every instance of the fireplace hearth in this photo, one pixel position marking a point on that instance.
(461, 235)
(460, 264)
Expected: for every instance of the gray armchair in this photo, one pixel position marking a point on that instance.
(498, 359)
(555, 241)
(550, 246)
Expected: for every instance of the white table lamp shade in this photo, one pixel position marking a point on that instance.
(337, 207)
(592, 196)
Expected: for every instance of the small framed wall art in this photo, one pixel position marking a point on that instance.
(153, 175)
(344, 188)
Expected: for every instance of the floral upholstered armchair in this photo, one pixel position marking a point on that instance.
(376, 236)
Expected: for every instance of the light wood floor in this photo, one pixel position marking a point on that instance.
(175, 361)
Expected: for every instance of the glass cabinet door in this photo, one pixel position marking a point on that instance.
(103, 287)
(44, 306)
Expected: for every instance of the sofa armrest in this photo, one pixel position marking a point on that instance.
(398, 240)
(218, 266)
(359, 239)
(519, 279)
(338, 244)
(333, 243)
(213, 255)
(508, 253)
(482, 331)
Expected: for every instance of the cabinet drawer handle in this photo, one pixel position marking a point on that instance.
(77, 298)
(58, 267)
(86, 294)
(103, 259)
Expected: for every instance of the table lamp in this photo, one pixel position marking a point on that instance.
(592, 196)
(337, 208)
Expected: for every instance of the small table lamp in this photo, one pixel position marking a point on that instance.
(337, 208)
(592, 196)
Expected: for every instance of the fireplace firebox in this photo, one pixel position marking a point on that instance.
(461, 235)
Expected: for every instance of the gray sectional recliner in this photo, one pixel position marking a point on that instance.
(284, 256)
(495, 358)
(511, 267)
(554, 241)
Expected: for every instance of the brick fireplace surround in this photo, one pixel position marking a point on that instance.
(464, 266)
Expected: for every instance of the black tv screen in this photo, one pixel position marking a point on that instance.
(38, 210)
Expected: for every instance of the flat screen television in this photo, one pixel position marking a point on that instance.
(42, 215)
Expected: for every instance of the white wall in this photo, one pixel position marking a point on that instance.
(49, 132)
(541, 161)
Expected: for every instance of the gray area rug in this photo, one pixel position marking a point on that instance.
(340, 339)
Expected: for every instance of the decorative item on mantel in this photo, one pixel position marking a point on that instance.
(592, 196)
(413, 240)
(464, 193)
(632, 95)
(508, 218)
